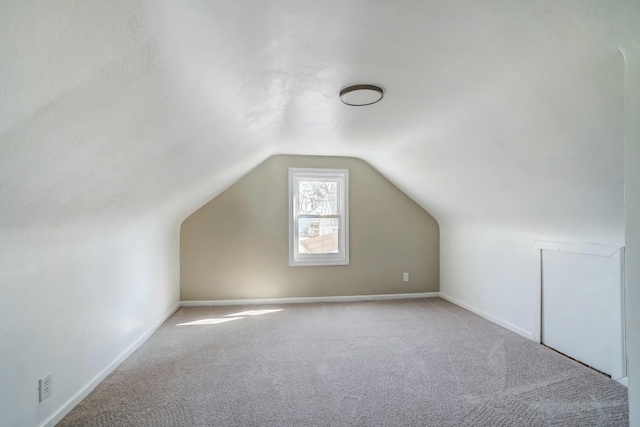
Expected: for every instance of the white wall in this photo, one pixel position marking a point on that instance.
(632, 218)
(488, 258)
(490, 271)
(495, 271)
(71, 302)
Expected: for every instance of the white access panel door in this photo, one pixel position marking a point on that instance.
(581, 308)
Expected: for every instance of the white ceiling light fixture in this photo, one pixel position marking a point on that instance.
(361, 95)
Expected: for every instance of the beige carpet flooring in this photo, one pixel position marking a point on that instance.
(420, 362)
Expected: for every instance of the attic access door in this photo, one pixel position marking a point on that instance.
(582, 315)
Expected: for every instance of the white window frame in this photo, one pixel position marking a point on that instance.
(301, 259)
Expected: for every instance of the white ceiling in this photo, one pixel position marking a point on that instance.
(496, 111)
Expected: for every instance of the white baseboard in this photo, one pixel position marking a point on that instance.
(624, 381)
(490, 318)
(302, 300)
(61, 412)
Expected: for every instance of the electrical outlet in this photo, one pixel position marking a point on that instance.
(405, 277)
(46, 386)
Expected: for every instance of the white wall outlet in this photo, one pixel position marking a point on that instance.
(405, 277)
(46, 386)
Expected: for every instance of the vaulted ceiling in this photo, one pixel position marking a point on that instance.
(495, 111)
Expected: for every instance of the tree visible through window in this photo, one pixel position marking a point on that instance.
(318, 221)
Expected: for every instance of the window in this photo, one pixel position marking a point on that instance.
(318, 217)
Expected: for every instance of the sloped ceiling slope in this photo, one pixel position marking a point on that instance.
(494, 111)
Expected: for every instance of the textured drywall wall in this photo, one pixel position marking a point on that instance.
(492, 271)
(493, 266)
(632, 223)
(73, 300)
(237, 245)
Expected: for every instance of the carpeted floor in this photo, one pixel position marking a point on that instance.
(422, 362)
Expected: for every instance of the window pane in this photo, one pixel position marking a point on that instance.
(318, 197)
(318, 235)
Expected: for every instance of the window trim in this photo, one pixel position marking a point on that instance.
(297, 259)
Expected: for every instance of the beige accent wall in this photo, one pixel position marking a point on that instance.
(237, 245)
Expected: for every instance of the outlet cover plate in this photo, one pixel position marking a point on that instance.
(405, 277)
(46, 386)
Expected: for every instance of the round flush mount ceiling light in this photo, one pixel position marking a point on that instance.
(360, 95)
